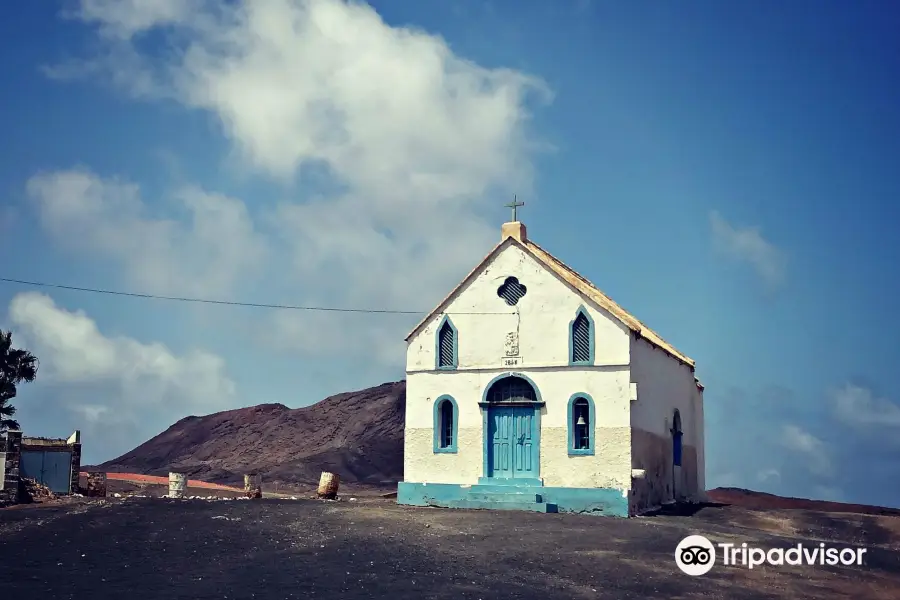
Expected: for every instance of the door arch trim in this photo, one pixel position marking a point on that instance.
(537, 404)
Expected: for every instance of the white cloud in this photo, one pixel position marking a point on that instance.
(800, 440)
(115, 383)
(73, 350)
(326, 80)
(417, 140)
(125, 18)
(859, 406)
(748, 245)
(107, 217)
(809, 448)
(768, 475)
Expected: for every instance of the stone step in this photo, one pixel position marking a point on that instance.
(484, 488)
(516, 496)
(541, 507)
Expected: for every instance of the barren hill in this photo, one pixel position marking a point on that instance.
(358, 435)
(765, 501)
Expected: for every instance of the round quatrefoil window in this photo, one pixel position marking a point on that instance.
(511, 291)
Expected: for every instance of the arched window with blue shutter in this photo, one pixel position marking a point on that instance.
(446, 427)
(677, 434)
(446, 345)
(581, 338)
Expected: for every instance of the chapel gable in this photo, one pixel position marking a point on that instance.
(514, 311)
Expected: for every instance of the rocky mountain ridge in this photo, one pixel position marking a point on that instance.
(358, 435)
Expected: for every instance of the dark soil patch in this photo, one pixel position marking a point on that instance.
(372, 548)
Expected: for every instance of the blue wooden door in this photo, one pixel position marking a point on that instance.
(52, 469)
(502, 439)
(525, 447)
(513, 442)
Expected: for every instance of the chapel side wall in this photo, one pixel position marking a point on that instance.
(664, 384)
(608, 467)
(701, 445)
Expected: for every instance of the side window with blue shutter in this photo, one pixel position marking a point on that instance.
(446, 414)
(677, 434)
(581, 339)
(446, 345)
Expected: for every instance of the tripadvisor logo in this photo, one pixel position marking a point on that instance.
(696, 555)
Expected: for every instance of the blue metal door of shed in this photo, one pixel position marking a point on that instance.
(52, 469)
(512, 442)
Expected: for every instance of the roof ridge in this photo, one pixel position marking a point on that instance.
(614, 307)
(458, 286)
(586, 281)
(567, 273)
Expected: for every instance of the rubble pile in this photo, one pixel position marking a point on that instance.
(32, 491)
(96, 485)
(253, 486)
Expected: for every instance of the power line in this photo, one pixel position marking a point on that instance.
(227, 302)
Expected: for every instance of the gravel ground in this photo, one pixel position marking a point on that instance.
(372, 548)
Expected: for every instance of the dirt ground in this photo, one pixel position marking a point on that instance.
(134, 486)
(372, 548)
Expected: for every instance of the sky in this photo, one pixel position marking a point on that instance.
(725, 171)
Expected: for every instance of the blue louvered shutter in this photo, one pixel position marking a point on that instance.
(445, 346)
(581, 339)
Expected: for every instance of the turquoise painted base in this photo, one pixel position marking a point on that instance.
(518, 482)
(503, 496)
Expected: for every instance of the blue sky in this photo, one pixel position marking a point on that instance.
(723, 170)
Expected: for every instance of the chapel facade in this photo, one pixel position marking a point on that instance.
(530, 389)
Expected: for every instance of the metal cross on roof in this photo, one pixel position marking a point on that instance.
(513, 205)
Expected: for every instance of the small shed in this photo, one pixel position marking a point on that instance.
(52, 462)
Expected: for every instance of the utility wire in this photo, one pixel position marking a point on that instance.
(228, 302)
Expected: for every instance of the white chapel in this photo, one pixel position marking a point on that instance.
(529, 389)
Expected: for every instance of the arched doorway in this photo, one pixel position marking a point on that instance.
(512, 430)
